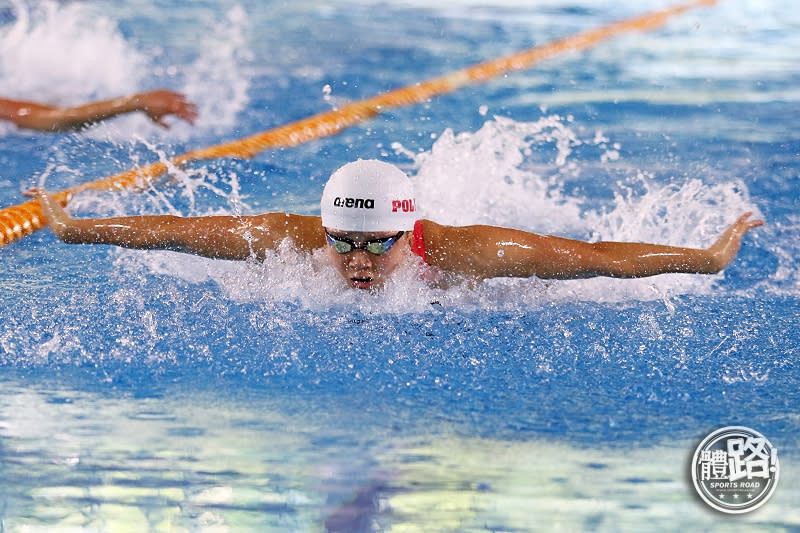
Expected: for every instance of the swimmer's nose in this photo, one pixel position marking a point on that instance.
(360, 259)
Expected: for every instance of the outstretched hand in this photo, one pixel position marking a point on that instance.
(57, 218)
(727, 245)
(161, 103)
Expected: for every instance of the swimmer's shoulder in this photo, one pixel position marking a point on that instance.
(435, 236)
(434, 233)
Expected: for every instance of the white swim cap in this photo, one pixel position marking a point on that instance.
(369, 195)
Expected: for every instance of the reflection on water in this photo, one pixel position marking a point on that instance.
(104, 459)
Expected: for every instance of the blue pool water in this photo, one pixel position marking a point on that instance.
(152, 391)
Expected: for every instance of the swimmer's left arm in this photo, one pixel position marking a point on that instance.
(488, 251)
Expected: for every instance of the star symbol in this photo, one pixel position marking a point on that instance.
(721, 496)
(749, 496)
(736, 496)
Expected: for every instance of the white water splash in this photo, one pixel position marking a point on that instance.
(217, 82)
(52, 54)
(490, 176)
(218, 79)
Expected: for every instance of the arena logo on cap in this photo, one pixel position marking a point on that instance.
(406, 206)
(358, 203)
(735, 469)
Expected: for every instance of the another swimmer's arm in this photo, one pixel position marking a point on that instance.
(27, 114)
(155, 104)
(218, 237)
(486, 251)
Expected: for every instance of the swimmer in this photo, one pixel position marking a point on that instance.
(156, 105)
(369, 226)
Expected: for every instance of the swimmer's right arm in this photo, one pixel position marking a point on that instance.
(217, 237)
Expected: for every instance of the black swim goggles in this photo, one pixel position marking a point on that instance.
(343, 245)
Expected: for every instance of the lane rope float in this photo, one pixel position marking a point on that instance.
(23, 219)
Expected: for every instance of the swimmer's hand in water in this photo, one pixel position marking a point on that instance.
(57, 218)
(727, 245)
(161, 103)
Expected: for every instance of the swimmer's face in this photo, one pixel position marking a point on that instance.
(351, 253)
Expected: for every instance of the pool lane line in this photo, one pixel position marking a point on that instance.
(26, 218)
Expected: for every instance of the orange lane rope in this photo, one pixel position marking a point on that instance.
(23, 219)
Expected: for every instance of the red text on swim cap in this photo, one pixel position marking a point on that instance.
(406, 206)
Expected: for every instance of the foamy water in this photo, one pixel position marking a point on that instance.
(51, 54)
